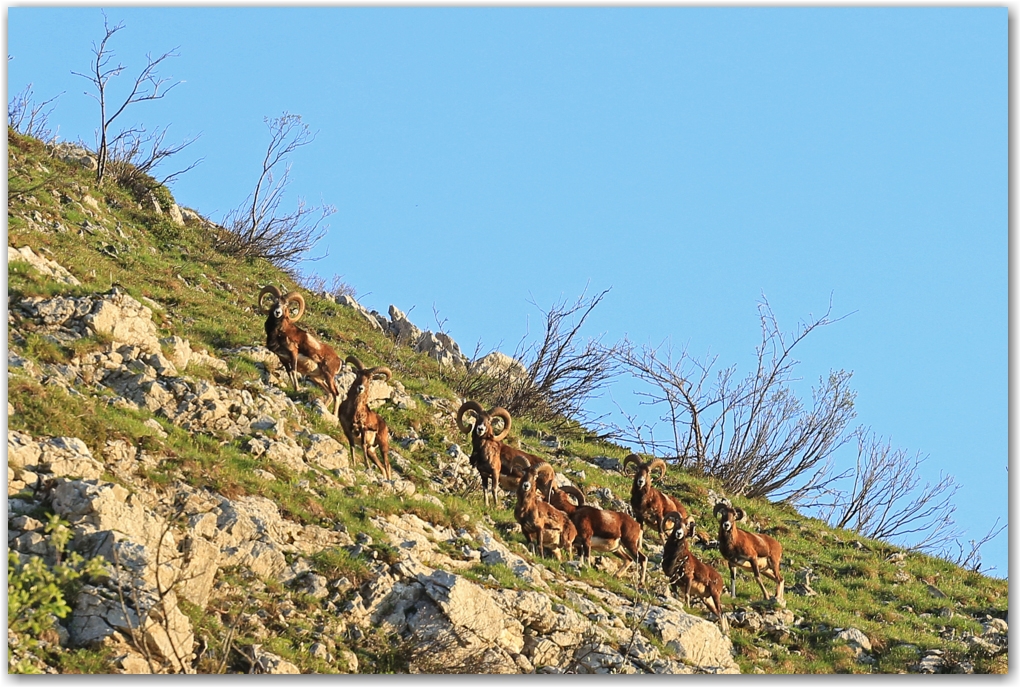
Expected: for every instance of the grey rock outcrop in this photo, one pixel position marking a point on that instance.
(496, 364)
(442, 348)
(53, 457)
(74, 154)
(370, 318)
(694, 640)
(270, 664)
(437, 345)
(114, 314)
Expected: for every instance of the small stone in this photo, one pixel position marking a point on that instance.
(993, 626)
(350, 659)
(855, 639)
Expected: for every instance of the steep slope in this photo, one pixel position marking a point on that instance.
(238, 534)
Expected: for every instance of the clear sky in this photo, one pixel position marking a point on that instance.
(692, 159)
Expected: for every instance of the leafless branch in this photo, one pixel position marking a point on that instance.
(257, 228)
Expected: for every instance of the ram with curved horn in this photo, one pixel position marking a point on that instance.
(648, 504)
(567, 498)
(361, 423)
(298, 350)
(489, 455)
(544, 527)
(758, 553)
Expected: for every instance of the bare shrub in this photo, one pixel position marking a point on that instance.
(30, 118)
(970, 557)
(257, 229)
(135, 154)
(560, 373)
(754, 434)
(335, 288)
(886, 498)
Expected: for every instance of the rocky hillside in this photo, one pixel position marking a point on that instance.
(175, 506)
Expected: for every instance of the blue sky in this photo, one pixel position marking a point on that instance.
(692, 159)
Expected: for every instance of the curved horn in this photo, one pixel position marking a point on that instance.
(658, 463)
(674, 517)
(519, 464)
(691, 527)
(381, 370)
(355, 362)
(740, 513)
(720, 508)
(632, 458)
(474, 407)
(503, 414)
(296, 297)
(575, 492)
(544, 471)
(271, 290)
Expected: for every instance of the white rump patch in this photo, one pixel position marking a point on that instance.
(603, 544)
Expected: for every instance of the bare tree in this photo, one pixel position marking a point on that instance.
(886, 499)
(147, 86)
(754, 435)
(257, 228)
(560, 373)
(29, 118)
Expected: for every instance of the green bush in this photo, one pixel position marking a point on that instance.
(37, 594)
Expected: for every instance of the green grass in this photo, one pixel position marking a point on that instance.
(84, 661)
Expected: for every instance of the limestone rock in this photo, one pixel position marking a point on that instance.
(114, 314)
(361, 310)
(75, 154)
(42, 265)
(107, 521)
(271, 664)
(349, 660)
(122, 318)
(600, 658)
(22, 450)
(466, 604)
(494, 552)
(441, 348)
(695, 640)
(855, 639)
(176, 216)
(180, 351)
(201, 562)
(167, 632)
(496, 364)
(325, 451)
(401, 328)
(68, 457)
